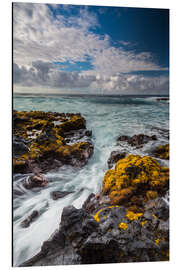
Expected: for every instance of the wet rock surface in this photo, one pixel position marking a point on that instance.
(135, 229)
(162, 151)
(49, 140)
(137, 140)
(55, 195)
(114, 157)
(113, 234)
(27, 222)
(35, 181)
(19, 146)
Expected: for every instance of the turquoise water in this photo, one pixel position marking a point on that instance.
(108, 118)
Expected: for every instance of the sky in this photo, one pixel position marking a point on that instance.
(90, 49)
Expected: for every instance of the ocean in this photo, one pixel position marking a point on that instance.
(108, 117)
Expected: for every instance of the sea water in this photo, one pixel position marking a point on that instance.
(108, 117)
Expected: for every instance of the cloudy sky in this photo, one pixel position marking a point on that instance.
(90, 50)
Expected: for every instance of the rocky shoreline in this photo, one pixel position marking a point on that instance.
(47, 141)
(128, 221)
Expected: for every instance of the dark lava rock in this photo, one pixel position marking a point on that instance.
(26, 223)
(159, 207)
(51, 140)
(89, 205)
(19, 146)
(162, 152)
(59, 194)
(77, 224)
(137, 140)
(75, 135)
(112, 235)
(21, 167)
(114, 157)
(34, 181)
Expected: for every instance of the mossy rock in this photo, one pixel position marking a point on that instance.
(135, 175)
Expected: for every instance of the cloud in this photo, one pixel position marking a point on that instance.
(41, 37)
(48, 75)
(38, 35)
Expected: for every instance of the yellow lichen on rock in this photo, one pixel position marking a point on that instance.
(143, 223)
(157, 241)
(121, 195)
(150, 195)
(96, 216)
(132, 216)
(123, 226)
(130, 174)
(162, 151)
(46, 134)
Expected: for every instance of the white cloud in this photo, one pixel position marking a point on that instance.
(39, 39)
(49, 76)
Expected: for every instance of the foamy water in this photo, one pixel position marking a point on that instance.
(108, 118)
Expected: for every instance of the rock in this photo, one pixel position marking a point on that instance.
(158, 207)
(26, 223)
(34, 181)
(162, 151)
(59, 194)
(123, 138)
(133, 174)
(97, 250)
(162, 99)
(19, 146)
(75, 135)
(76, 224)
(47, 136)
(163, 227)
(114, 157)
(88, 133)
(112, 235)
(89, 204)
(137, 140)
(21, 166)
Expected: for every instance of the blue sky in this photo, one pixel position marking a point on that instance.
(90, 49)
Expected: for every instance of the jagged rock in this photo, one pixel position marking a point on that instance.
(59, 194)
(26, 223)
(47, 135)
(133, 174)
(114, 157)
(76, 224)
(34, 181)
(19, 146)
(162, 151)
(112, 234)
(158, 207)
(137, 140)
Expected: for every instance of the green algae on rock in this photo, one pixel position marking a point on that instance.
(44, 134)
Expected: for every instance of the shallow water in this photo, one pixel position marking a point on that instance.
(108, 118)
